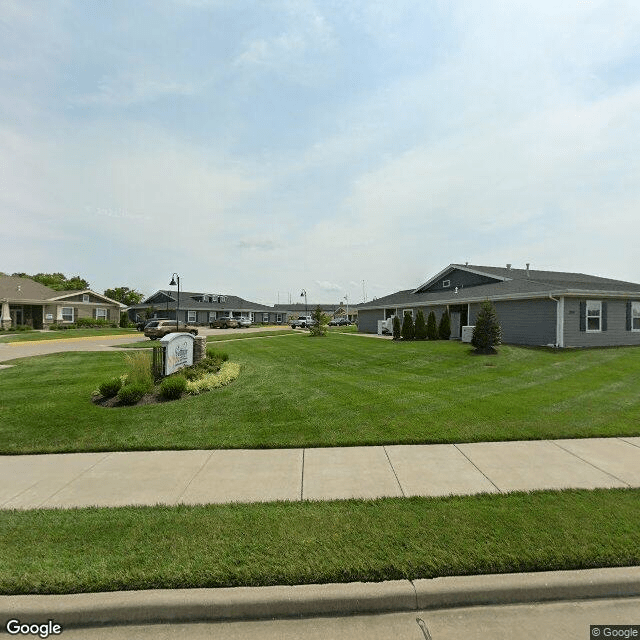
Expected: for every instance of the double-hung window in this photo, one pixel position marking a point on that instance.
(635, 316)
(67, 314)
(191, 316)
(594, 315)
(101, 314)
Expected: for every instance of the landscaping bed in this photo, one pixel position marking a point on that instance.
(183, 547)
(137, 387)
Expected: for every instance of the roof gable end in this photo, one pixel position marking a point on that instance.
(481, 277)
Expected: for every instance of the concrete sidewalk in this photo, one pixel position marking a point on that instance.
(222, 476)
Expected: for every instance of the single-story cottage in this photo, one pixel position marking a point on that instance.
(202, 308)
(26, 302)
(533, 307)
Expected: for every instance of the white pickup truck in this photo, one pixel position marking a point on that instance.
(302, 322)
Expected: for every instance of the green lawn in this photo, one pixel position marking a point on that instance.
(29, 336)
(336, 391)
(86, 550)
(232, 335)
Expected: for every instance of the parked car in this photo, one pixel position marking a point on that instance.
(339, 322)
(243, 321)
(302, 322)
(160, 328)
(224, 323)
(143, 323)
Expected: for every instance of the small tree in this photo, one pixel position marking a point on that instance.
(320, 322)
(396, 328)
(421, 327)
(408, 330)
(125, 295)
(444, 328)
(432, 326)
(487, 332)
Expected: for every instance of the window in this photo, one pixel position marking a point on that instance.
(212, 316)
(101, 314)
(265, 317)
(191, 316)
(67, 314)
(635, 316)
(407, 311)
(85, 297)
(446, 283)
(278, 318)
(594, 315)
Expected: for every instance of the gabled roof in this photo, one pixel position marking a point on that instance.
(232, 303)
(17, 288)
(61, 295)
(510, 283)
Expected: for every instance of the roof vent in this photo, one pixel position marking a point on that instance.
(527, 269)
(509, 266)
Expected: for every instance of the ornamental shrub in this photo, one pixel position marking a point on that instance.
(173, 387)
(214, 354)
(444, 328)
(408, 330)
(421, 327)
(319, 324)
(110, 388)
(487, 332)
(139, 370)
(132, 393)
(396, 328)
(228, 373)
(432, 326)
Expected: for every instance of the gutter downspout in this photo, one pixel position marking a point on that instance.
(559, 320)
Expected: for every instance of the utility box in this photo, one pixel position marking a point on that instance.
(467, 333)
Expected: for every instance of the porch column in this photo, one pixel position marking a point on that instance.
(6, 317)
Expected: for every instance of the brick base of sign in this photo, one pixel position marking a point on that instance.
(199, 348)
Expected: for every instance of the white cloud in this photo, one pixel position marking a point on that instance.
(328, 286)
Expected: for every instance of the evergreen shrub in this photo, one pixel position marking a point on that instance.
(110, 388)
(487, 332)
(432, 326)
(132, 393)
(396, 328)
(421, 327)
(408, 330)
(444, 329)
(173, 387)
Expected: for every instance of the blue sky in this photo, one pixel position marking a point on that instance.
(259, 148)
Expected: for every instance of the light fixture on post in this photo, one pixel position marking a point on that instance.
(175, 277)
(304, 293)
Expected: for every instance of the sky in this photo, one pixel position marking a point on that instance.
(348, 148)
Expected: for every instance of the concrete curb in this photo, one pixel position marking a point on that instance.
(253, 603)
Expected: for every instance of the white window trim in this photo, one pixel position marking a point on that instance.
(404, 311)
(278, 317)
(212, 316)
(265, 317)
(85, 297)
(635, 313)
(446, 283)
(62, 314)
(192, 316)
(587, 316)
(101, 313)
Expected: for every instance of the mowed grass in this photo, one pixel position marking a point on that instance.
(340, 390)
(37, 336)
(88, 550)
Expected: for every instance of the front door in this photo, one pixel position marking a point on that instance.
(455, 324)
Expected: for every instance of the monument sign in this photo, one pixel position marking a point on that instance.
(178, 351)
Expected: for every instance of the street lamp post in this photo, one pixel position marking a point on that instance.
(173, 284)
(346, 297)
(304, 293)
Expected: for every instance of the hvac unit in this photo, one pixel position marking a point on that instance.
(467, 333)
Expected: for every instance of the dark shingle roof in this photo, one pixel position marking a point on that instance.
(518, 284)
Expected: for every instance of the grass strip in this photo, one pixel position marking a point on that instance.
(38, 336)
(97, 549)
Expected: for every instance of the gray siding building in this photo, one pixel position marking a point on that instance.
(534, 307)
